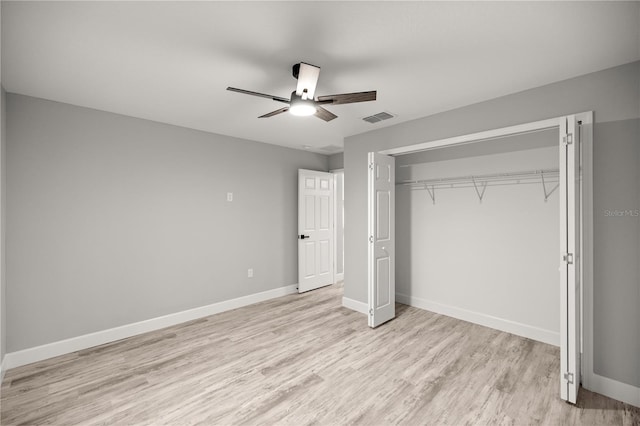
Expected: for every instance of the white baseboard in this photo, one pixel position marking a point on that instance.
(338, 277)
(530, 332)
(355, 305)
(50, 350)
(614, 389)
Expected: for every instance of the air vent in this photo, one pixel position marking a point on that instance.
(383, 115)
(331, 149)
(378, 117)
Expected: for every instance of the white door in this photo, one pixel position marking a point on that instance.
(382, 286)
(570, 260)
(315, 229)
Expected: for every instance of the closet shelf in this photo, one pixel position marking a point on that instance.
(481, 182)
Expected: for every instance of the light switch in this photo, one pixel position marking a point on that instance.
(229, 196)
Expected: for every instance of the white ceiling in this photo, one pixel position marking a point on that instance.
(171, 61)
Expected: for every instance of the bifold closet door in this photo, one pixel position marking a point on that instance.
(570, 185)
(381, 275)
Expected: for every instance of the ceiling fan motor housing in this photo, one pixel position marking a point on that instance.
(295, 98)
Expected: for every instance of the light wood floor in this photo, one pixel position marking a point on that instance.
(304, 359)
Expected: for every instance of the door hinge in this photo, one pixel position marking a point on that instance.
(567, 139)
(371, 312)
(370, 166)
(568, 377)
(371, 238)
(568, 257)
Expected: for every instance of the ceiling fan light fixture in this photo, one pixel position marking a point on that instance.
(301, 107)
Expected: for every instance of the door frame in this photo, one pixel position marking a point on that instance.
(337, 276)
(587, 375)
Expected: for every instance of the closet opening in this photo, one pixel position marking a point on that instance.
(489, 228)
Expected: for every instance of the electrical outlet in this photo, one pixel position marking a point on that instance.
(250, 273)
(229, 196)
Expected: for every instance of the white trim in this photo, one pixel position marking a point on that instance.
(355, 305)
(333, 224)
(50, 350)
(513, 327)
(615, 389)
(336, 276)
(478, 137)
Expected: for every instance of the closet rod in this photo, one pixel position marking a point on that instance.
(465, 185)
(480, 182)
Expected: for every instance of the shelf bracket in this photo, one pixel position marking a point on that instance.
(544, 187)
(432, 193)
(483, 185)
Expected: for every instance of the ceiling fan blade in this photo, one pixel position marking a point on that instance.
(324, 114)
(347, 98)
(307, 79)
(276, 112)
(262, 95)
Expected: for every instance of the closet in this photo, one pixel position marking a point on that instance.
(477, 231)
(465, 226)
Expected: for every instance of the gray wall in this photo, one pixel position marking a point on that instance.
(614, 95)
(336, 161)
(497, 258)
(3, 310)
(114, 220)
(616, 245)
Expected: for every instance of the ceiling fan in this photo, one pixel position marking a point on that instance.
(302, 100)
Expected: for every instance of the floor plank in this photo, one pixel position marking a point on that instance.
(304, 359)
